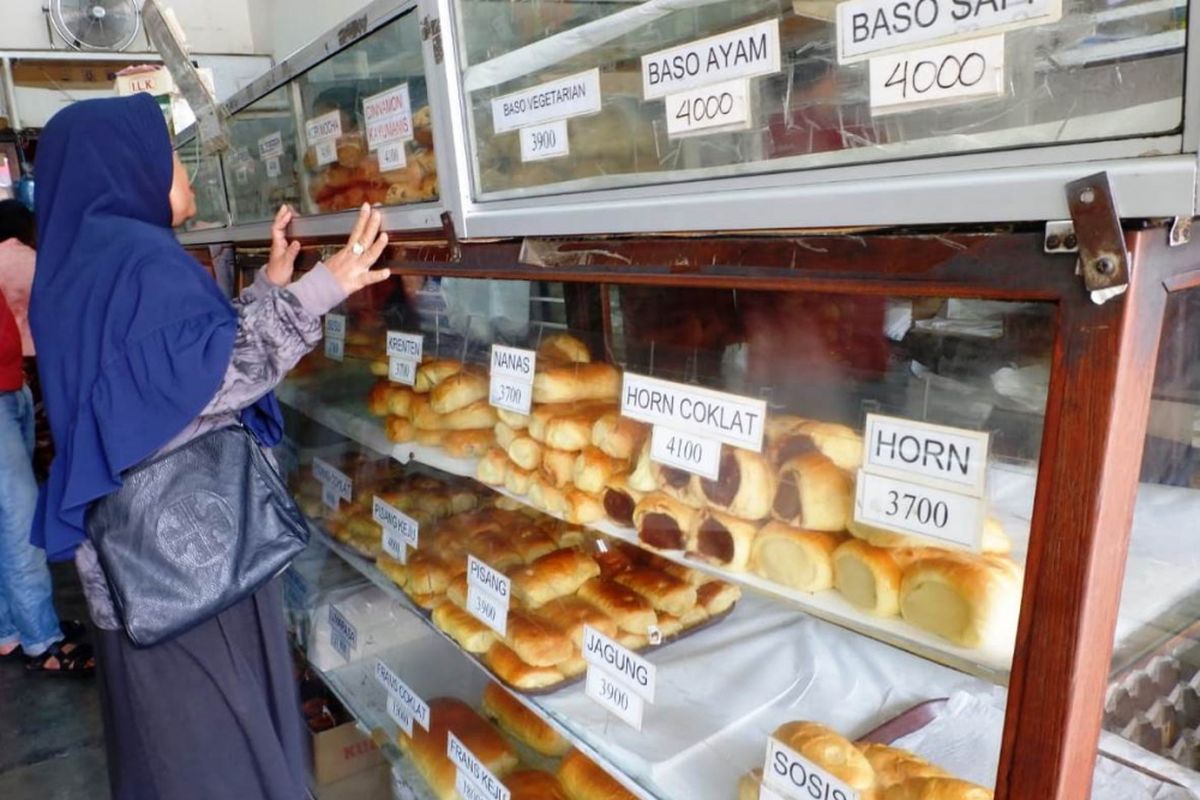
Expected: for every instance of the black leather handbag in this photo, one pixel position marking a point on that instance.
(192, 532)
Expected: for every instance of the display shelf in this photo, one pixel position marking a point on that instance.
(989, 663)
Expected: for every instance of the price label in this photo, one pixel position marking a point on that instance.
(335, 326)
(620, 662)
(392, 156)
(402, 370)
(330, 498)
(326, 152)
(728, 418)
(340, 644)
(511, 394)
(936, 76)
(270, 146)
(474, 771)
(397, 688)
(712, 109)
(742, 53)
(937, 455)
(329, 475)
(794, 776)
(467, 789)
(573, 96)
(327, 127)
(295, 589)
(513, 362)
(406, 345)
(540, 142)
(400, 715)
(273, 169)
(949, 518)
(342, 633)
(392, 519)
(335, 349)
(388, 116)
(696, 454)
(488, 593)
(242, 174)
(615, 696)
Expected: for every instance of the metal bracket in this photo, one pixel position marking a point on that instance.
(1103, 259)
(431, 28)
(451, 236)
(1060, 237)
(1181, 231)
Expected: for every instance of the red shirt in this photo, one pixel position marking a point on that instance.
(12, 377)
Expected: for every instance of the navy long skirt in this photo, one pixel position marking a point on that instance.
(213, 713)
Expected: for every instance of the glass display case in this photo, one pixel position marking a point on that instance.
(690, 524)
(204, 170)
(261, 168)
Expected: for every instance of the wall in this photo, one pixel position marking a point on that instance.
(281, 27)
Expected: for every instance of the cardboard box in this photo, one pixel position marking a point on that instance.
(370, 784)
(342, 751)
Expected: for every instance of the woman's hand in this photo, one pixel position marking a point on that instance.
(283, 254)
(351, 266)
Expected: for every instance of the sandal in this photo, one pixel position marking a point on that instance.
(16, 654)
(76, 663)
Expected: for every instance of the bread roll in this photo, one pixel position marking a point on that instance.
(813, 494)
(430, 438)
(477, 415)
(665, 592)
(427, 574)
(893, 765)
(643, 478)
(377, 399)
(936, 789)
(571, 384)
(869, 577)
(557, 467)
(717, 597)
(628, 609)
(795, 558)
(531, 784)
(594, 468)
(463, 500)
(432, 372)
(429, 602)
(677, 483)
(664, 522)
(396, 572)
(745, 486)
(525, 453)
(468, 444)
(569, 536)
(619, 437)
(517, 480)
(505, 434)
(562, 348)
(471, 634)
(968, 600)
(511, 715)
(722, 539)
(427, 749)
(750, 784)
(553, 576)
(518, 422)
(620, 499)
(583, 780)
(536, 641)
(573, 431)
(830, 751)
(539, 418)
(533, 543)
(583, 508)
(508, 667)
(496, 550)
(456, 592)
(995, 541)
(789, 437)
(492, 467)
(459, 391)
(380, 368)
(399, 429)
(571, 614)
(545, 496)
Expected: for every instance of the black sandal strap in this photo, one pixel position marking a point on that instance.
(72, 664)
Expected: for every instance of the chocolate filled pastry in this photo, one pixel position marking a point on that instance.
(795, 558)
(594, 468)
(557, 467)
(536, 641)
(583, 780)
(665, 592)
(995, 541)
(813, 494)
(461, 626)
(469, 443)
(570, 614)
(511, 715)
(552, 576)
(663, 522)
(643, 477)
(458, 391)
(677, 484)
(399, 430)
(830, 751)
(492, 467)
(433, 371)
(789, 437)
(583, 508)
(573, 431)
(504, 433)
(969, 600)
(620, 500)
(518, 422)
(517, 480)
(632, 612)
(745, 485)
(525, 453)
(571, 384)
(618, 436)
(509, 668)
(722, 539)
(562, 348)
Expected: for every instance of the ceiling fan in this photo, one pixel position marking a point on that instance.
(101, 25)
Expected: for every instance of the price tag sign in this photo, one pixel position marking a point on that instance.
(270, 146)
(417, 708)
(335, 349)
(325, 128)
(624, 664)
(711, 109)
(540, 142)
(512, 371)
(742, 53)
(488, 593)
(326, 152)
(949, 518)
(937, 76)
(728, 418)
(406, 345)
(473, 774)
(794, 776)
(330, 498)
(335, 326)
(696, 454)
(573, 96)
(329, 475)
(273, 169)
(392, 156)
(400, 715)
(388, 116)
(343, 636)
(392, 520)
(615, 696)
(401, 370)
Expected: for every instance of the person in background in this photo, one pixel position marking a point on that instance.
(17, 257)
(139, 352)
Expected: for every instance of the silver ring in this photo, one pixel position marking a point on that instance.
(358, 249)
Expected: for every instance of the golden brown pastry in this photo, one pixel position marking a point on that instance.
(377, 399)
(618, 436)
(568, 536)
(830, 751)
(430, 438)
(495, 549)
(893, 765)
(456, 592)
(745, 486)
(583, 508)
(593, 470)
(427, 749)
(813, 494)
(541, 415)
(676, 483)
(936, 789)
(573, 431)
(525, 453)
(722, 539)
(995, 540)
(665, 592)
(511, 715)
(396, 572)
(584, 780)
(717, 597)
(493, 467)
(790, 436)
(433, 371)
(557, 467)
(644, 478)
(471, 634)
(475, 416)
(968, 600)
(517, 480)
(518, 422)
(427, 574)
(536, 641)
(620, 499)
(577, 382)
(532, 784)
(628, 609)
(571, 614)
(552, 576)
(468, 444)
(504, 433)
(533, 543)
(459, 391)
(795, 558)
(509, 668)
(545, 496)
(399, 430)
(750, 784)
(869, 577)
(562, 348)
(663, 522)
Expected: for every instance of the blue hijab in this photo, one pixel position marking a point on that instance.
(133, 336)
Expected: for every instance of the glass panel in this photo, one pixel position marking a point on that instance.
(205, 173)
(261, 169)
(1105, 70)
(1152, 711)
(379, 151)
(763, 599)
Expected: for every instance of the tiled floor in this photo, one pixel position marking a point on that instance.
(51, 746)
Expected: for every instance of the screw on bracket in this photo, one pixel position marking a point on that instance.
(1103, 259)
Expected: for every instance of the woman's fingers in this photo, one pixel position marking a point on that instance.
(377, 248)
(374, 223)
(360, 224)
(376, 276)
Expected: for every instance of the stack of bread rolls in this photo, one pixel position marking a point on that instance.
(874, 771)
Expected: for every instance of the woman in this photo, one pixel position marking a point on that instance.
(138, 353)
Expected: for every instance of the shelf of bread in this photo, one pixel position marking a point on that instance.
(779, 522)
